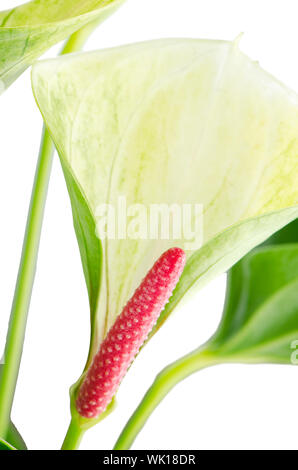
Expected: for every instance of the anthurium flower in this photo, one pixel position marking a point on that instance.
(30, 29)
(169, 121)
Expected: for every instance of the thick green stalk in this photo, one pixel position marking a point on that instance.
(73, 437)
(164, 382)
(26, 274)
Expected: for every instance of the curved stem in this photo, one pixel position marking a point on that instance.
(73, 437)
(27, 267)
(163, 384)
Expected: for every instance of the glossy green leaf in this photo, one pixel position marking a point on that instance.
(30, 29)
(170, 121)
(288, 234)
(260, 319)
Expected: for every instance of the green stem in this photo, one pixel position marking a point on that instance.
(22, 295)
(73, 437)
(27, 267)
(163, 384)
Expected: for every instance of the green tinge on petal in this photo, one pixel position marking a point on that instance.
(30, 29)
(170, 121)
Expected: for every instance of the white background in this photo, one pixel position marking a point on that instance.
(226, 407)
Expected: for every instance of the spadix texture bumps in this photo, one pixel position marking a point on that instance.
(30, 29)
(128, 334)
(170, 121)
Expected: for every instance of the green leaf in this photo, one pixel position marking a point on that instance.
(257, 278)
(260, 319)
(170, 121)
(288, 234)
(5, 446)
(30, 29)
